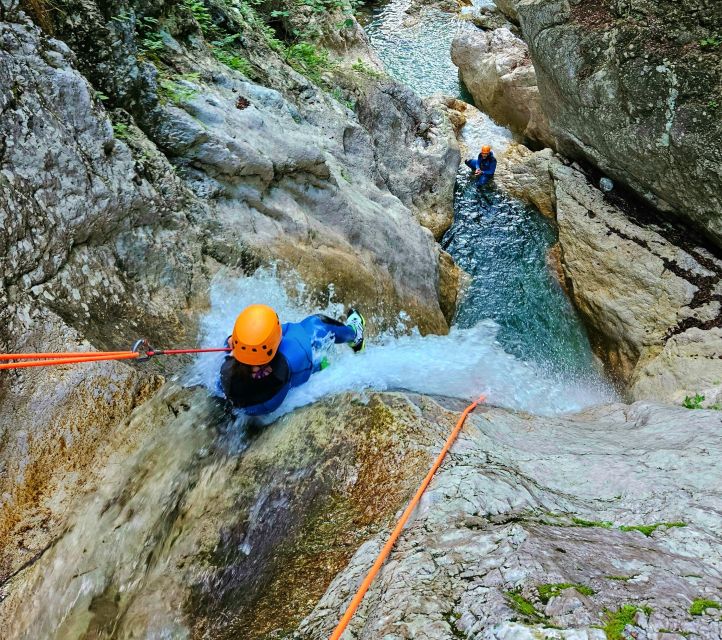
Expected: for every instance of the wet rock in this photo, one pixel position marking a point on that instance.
(633, 89)
(496, 68)
(449, 575)
(525, 175)
(649, 296)
(114, 223)
(248, 539)
(415, 149)
(649, 293)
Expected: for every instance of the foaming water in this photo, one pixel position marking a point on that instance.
(463, 364)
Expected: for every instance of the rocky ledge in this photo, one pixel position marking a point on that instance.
(534, 526)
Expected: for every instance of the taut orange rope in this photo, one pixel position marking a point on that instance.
(384, 553)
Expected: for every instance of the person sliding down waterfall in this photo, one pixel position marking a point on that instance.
(483, 166)
(267, 359)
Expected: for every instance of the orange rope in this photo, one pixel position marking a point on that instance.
(67, 354)
(125, 355)
(73, 357)
(384, 553)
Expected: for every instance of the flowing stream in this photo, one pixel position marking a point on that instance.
(501, 242)
(128, 547)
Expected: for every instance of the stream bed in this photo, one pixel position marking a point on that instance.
(502, 243)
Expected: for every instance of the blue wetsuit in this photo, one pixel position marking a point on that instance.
(261, 390)
(487, 166)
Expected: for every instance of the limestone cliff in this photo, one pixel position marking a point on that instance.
(635, 88)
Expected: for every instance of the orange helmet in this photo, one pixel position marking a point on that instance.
(486, 149)
(256, 335)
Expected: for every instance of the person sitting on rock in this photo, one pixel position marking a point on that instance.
(484, 166)
(267, 359)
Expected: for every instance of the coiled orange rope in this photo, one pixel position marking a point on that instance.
(384, 553)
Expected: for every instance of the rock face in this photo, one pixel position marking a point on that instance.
(531, 522)
(634, 88)
(120, 202)
(415, 149)
(652, 299)
(650, 296)
(533, 529)
(496, 68)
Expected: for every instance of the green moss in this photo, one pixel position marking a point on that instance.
(646, 529)
(170, 90)
(360, 67)
(548, 591)
(620, 578)
(699, 606)
(523, 606)
(233, 61)
(604, 524)
(649, 529)
(615, 621)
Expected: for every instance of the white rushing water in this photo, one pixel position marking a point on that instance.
(462, 364)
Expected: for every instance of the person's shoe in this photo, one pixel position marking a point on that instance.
(356, 321)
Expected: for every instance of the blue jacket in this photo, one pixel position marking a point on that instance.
(261, 390)
(487, 166)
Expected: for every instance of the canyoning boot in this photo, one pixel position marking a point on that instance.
(356, 321)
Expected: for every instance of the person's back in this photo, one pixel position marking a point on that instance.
(268, 359)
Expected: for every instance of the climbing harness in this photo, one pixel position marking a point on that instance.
(384, 553)
(140, 351)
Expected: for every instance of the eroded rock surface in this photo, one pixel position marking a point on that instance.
(496, 68)
(229, 536)
(648, 292)
(645, 291)
(120, 202)
(633, 88)
(525, 504)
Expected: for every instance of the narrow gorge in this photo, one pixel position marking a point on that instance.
(165, 164)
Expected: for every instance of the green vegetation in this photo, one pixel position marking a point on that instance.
(615, 621)
(646, 529)
(309, 60)
(121, 131)
(325, 6)
(548, 591)
(649, 529)
(360, 67)
(620, 578)
(171, 90)
(233, 61)
(337, 94)
(699, 606)
(201, 14)
(693, 402)
(604, 524)
(523, 606)
(711, 42)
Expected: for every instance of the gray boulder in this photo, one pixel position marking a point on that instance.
(634, 88)
(496, 68)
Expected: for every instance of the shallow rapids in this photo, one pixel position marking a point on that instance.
(466, 362)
